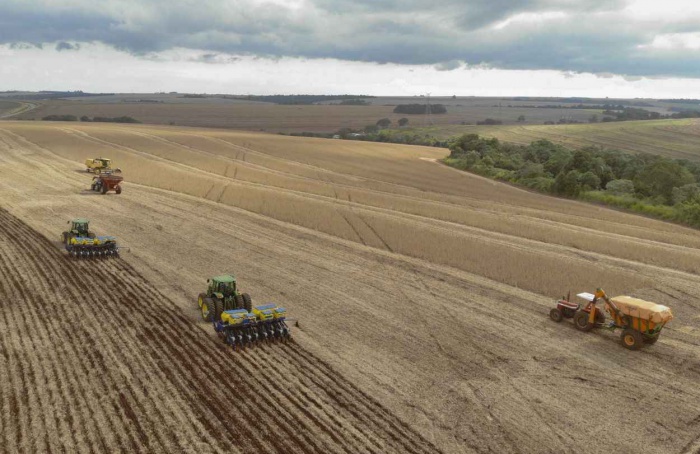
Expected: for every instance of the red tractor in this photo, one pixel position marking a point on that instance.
(107, 181)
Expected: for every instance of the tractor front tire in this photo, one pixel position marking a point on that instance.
(247, 302)
(556, 315)
(206, 307)
(632, 339)
(581, 321)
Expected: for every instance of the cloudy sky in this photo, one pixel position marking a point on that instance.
(616, 48)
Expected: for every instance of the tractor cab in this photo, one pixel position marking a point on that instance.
(80, 227)
(102, 163)
(225, 284)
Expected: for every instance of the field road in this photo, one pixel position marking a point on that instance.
(422, 296)
(23, 107)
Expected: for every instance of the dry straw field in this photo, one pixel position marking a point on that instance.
(678, 139)
(421, 292)
(326, 117)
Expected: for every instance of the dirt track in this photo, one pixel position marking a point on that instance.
(422, 296)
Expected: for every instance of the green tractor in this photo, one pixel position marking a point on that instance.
(222, 295)
(80, 242)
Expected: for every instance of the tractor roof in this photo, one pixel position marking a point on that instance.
(80, 221)
(224, 278)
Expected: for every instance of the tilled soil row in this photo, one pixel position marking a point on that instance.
(95, 359)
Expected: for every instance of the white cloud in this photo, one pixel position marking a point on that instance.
(100, 68)
(674, 41)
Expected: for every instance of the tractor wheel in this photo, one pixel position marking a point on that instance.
(599, 316)
(218, 309)
(104, 189)
(207, 308)
(118, 189)
(651, 340)
(581, 321)
(238, 302)
(247, 302)
(632, 339)
(555, 314)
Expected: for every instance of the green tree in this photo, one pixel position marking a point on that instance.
(521, 119)
(620, 187)
(384, 123)
(567, 183)
(589, 181)
(403, 121)
(660, 178)
(558, 161)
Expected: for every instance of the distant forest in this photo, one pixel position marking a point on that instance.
(300, 99)
(415, 109)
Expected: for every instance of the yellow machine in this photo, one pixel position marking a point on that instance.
(98, 165)
(641, 321)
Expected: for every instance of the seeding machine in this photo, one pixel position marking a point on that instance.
(640, 321)
(80, 242)
(234, 317)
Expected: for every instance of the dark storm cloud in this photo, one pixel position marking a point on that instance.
(580, 36)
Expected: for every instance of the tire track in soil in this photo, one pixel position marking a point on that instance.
(204, 343)
(23, 316)
(71, 331)
(100, 359)
(22, 330)
(43, 426)
(391, 422)
(335, 429)
(214, 404)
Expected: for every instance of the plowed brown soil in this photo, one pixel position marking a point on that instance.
(421, 292)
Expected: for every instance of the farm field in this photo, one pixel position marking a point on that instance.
(327, 117)
(672, 138)
(421, 292)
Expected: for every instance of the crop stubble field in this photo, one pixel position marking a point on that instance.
(678, 139)
(422, 294)
(328, 117)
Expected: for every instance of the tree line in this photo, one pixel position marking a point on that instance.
(646, 183)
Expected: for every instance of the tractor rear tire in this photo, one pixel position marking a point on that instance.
(632, 339)
(247, 302)
(206, 307)
(104, 189)
(238, 302)
(218, 309)
(556, 315)
(581, 321)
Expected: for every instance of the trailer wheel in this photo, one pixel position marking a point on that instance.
(555, 314)
(632, 339)
(118, 189)
(651, 340)
(581, 321)
(247, 302)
